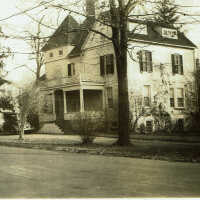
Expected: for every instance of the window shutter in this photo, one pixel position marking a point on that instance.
(181, 63)
(73, 69)
(148, 56)
(111, 64)
(151, 64)
(107, 57)
(69, 70)
(197, 64)
(140, 61)
(102, 68)
(173, 63)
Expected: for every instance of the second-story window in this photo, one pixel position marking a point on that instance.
(180, 97)
(171, 97)
(107, 64)
(71, 69)
(51, 54)
(177, 63)
(147, 95)
(145, 61)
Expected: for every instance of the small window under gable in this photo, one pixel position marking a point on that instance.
(51, 54)
(60, 52)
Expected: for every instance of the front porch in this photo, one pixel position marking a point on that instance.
(69, 102)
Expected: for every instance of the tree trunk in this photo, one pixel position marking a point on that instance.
(21, 131)
(123, 102)
(120, 38)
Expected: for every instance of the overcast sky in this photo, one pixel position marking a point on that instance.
(17, 25)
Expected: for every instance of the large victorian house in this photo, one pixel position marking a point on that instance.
(81, 72)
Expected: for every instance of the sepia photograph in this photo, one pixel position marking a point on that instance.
(99, 99)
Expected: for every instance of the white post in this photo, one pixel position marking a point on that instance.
(65, 102)
(53, 100)
(81, 100)
(103, 98)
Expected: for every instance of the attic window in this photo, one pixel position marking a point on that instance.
(51, 54)
(60, 52)
(169, 33)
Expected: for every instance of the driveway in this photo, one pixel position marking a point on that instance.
(32, 173)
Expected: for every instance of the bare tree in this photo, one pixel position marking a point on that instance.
(28, 98)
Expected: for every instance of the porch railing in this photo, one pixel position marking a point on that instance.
(76, 79)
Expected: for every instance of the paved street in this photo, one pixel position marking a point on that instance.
(31, 173)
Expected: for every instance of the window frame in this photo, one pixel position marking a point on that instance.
(109, 91)
(147, 98)
(50, 54)
(172, 98)
(180, 98)
(107, 64)
(59, 52)
(147, 126)
(145, 61)
(177, 64)
(71, 69)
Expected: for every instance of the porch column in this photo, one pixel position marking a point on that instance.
(53, 100)
(65, 102)
(81, 100)
(103, 99)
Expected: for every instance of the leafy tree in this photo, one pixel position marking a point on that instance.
(166, 13)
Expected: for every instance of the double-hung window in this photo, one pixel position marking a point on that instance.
(107, 64)
(177, 63)
(110, 97)
(145, 61)
(180, 97)
(172, 103)
(147, 95)
(71, 69)
(149, 126)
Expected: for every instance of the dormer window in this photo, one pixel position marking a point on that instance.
(51, 54)
(169, 33)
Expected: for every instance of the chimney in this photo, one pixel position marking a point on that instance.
(90, 8)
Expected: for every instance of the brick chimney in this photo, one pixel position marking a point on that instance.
(90, 7)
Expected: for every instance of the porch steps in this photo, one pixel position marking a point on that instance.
(51, 128)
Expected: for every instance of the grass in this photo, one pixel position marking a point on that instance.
(158, 150)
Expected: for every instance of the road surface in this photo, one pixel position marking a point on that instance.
(32, 173)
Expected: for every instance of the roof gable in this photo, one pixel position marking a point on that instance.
(65, 34)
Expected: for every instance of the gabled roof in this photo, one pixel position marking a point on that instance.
(70, 32)
(65, 34)
(154, 36)
(82, 35)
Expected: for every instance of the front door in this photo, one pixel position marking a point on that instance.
(59, 105)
